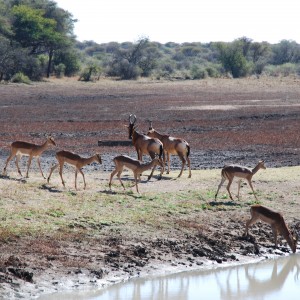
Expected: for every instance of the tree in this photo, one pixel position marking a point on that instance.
(245, 44)
(260, 54)
(69, 58)
(286, 52)
(232, 58)
(9, 59)
(31, 29)
(43, 30)
(134, 61)
(5, 28)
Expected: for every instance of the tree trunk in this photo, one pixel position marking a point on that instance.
(51, 52)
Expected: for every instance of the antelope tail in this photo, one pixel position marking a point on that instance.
(224, 174)
(188, 150)
(161, 150)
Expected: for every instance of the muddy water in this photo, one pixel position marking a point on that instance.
(274, 279)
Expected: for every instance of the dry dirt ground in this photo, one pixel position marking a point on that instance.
(225, 121)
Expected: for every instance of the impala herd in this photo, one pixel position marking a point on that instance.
(159, 147)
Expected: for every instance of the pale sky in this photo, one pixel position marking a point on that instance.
(185, 20)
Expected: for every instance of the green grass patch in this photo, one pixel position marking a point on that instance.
(35, 208)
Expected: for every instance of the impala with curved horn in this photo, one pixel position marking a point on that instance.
(145, 144)
(20, 148)
(173, 146)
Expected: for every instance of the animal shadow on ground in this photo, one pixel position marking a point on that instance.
(21, 180)
(127, 192)
(49, 188)
(166, 178)
(224, 203)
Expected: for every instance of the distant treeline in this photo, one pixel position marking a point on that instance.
(37, 40)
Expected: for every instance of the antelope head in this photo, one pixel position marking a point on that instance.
(51, 140)
(132, 119)
(98, 158)
(131, 126)
(151, 129)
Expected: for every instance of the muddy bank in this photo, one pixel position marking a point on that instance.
(31, 267)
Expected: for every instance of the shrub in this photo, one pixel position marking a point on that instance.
(20, 78)
(34, 68)
(288, 69)
(233, 60)
(198, 73)
(281, 70)
(167, 66)
(69, 59)
(212, 72)
(59, 70)
(90, 73)
(124, 69)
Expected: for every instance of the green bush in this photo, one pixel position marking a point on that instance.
(124, 69)
(59, 70)
(281, 70)
(198, 73)
(233, 60)
(90, 73)
(212, 72)
(20, 78)
(288, 69)
(33, 68)
(69, 59)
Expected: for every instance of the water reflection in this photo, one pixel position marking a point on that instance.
(263, 280)
(272, 279)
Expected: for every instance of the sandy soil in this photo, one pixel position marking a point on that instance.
(225, 121)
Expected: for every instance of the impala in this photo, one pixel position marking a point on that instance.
(20, 149)
(231, 171)
(145, 144)
(275, 219)
(75, 160)
(174, 146)
(137, 167)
